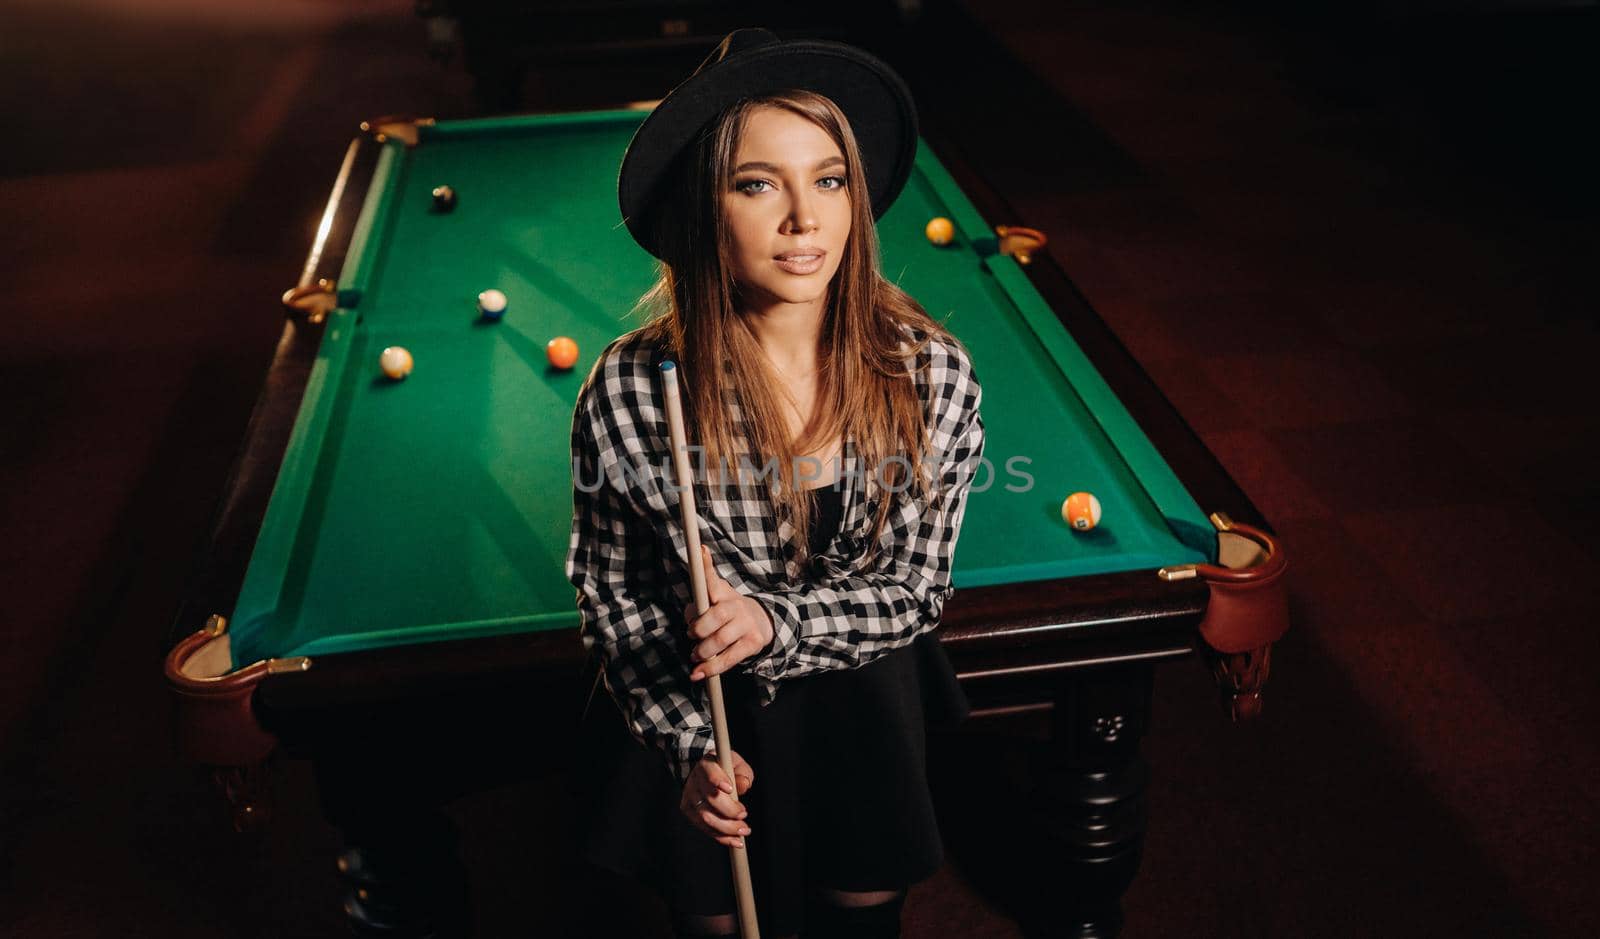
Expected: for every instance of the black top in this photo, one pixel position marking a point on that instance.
(828, 505)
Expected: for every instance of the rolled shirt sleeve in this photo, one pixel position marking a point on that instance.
(612, 562)
(853, 619)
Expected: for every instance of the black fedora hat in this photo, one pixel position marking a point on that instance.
(754, 61)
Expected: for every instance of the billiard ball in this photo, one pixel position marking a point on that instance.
(561, 351)
(1081, 511)
(444, 198)
(940, 231)
(492, 304)
(395, 362)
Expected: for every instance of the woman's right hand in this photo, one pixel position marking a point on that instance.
(710, 801)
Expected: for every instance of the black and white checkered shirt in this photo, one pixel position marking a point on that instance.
(628, 557)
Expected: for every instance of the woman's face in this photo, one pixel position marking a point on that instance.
(787, 210)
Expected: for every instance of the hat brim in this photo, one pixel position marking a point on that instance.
(872, 96)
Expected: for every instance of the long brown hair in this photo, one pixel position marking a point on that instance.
(863, 386)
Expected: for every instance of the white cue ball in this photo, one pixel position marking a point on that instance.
(492, 303)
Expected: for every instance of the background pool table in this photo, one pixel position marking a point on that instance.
(386, 593)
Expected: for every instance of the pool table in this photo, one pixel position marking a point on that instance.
(385, 591)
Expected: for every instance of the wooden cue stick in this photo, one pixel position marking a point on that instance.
(739, 857)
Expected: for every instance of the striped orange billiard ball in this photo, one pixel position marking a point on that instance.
(1081, 511)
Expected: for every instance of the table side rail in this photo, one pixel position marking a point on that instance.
(1143, 460)
(1200, 472)
(282, 527)
(242, 502)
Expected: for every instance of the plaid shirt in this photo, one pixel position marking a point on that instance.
(628, 556)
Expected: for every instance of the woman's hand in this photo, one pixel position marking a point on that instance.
(710, 803)
(732, 629)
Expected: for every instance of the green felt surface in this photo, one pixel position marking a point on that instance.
(439, 507)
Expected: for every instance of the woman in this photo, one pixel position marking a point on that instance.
(840, 434)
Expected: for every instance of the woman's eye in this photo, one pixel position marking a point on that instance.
(744, 186)
(833, 179)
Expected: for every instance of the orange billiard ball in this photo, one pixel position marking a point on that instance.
(940, 231)
(1081, 511)
(561, 351)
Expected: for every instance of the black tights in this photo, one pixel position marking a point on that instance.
(830, 914)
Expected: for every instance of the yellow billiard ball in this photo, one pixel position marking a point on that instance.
(561, 351)
(1081, 511)
(395, 362)
(940, 231)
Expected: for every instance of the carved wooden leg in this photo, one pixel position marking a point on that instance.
(247, 792)
(1241, 677)
(1088, 797)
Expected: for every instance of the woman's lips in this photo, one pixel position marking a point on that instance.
(800, 264)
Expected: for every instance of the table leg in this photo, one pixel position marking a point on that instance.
(1088, 797)
(402, 863)
(247, 792)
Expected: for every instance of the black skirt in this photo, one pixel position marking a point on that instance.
(840, 799)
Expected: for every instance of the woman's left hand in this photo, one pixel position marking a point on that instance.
(733, 628)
